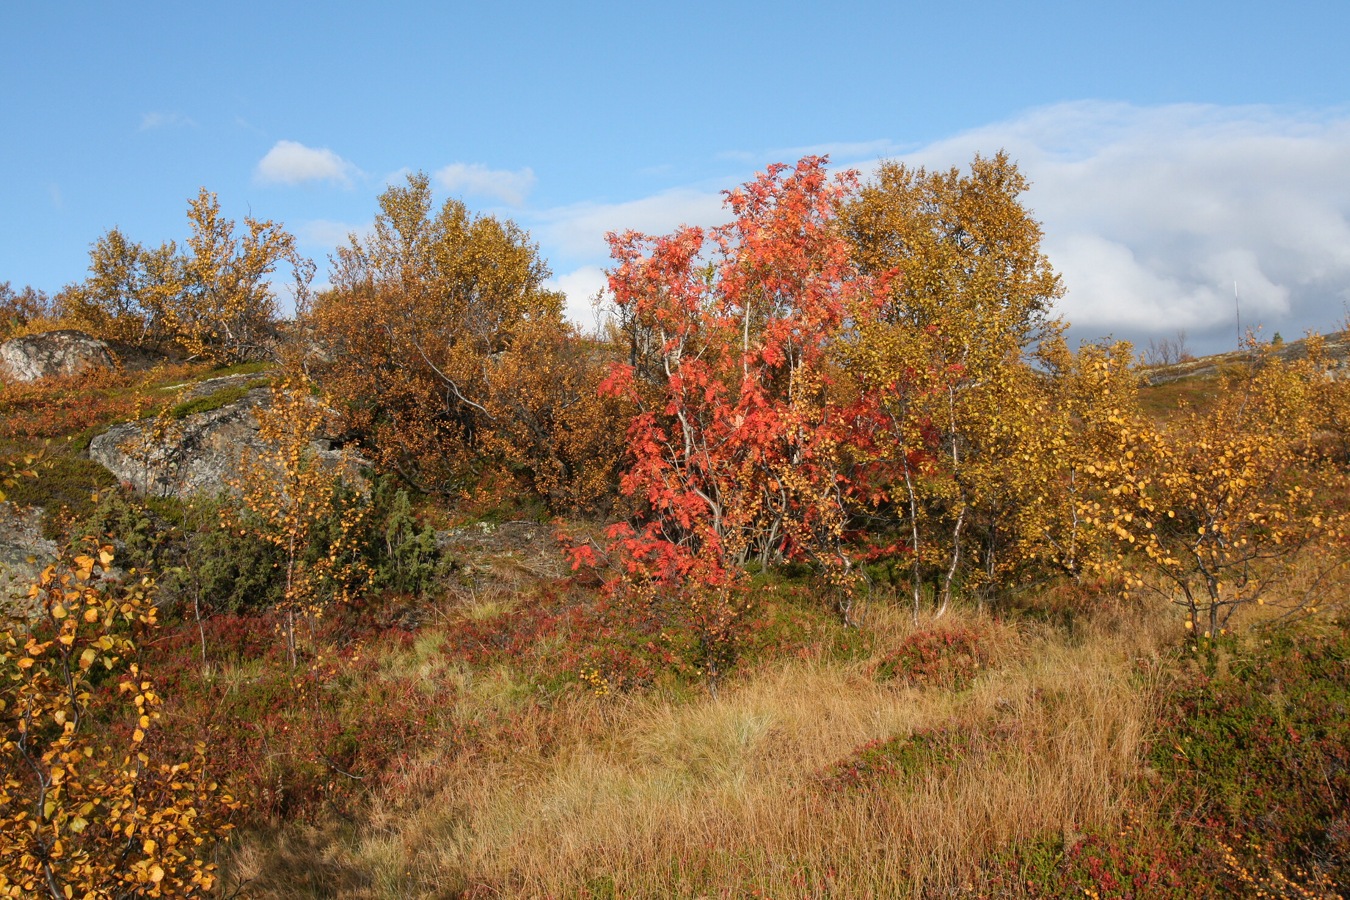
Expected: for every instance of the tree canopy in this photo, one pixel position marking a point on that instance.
(448, 348)
(214, 299)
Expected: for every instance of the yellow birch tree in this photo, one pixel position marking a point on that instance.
(296, 501)
(1220, 504)
(86, 810)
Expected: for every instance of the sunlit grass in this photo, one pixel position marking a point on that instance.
(668, 794)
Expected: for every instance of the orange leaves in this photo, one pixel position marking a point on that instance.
(26, 311)
(453, 362)
(56, 407)
(548, 423)
(72, 795)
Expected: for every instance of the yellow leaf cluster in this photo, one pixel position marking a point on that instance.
(1219, 502)
(213, 300)
(307, 506)
(87, 811)
(988, 453)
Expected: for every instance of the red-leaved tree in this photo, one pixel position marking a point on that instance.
(748, 436)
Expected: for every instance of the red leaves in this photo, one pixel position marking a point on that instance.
(743, 441)
(581, 555)
(618, 383)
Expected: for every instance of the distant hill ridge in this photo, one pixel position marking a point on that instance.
(1337, 348)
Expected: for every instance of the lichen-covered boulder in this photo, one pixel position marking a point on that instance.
(198, 454)
(67, 352)
(24, 553)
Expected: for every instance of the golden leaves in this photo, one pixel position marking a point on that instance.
(1231, 494)
(68, 795)
(453, 361)
(310, 509)
(214, 300)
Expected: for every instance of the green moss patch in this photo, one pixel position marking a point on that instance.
(217, 399)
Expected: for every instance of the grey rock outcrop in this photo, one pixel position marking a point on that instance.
(24, 553)
(67, 352)
(199, 454)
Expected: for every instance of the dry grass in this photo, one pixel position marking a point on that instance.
(659, 796)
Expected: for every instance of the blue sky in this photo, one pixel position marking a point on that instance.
(1173, 148)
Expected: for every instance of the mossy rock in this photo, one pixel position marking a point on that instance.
(217, 399)
(65, 488)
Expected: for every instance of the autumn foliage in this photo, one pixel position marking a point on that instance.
(809, 435)
(1220, 503)
(25, 310)
(844, 376)
(214, 299)
(306, 506)
(744, 442)
(452, 361)
(949, 360)
(88, 808)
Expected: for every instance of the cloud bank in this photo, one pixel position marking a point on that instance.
(289, 162)
(1150, 213)
(1153, 214)
(476, 179)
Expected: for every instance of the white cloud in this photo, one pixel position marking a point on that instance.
(289, 162)
(579, 230)
(1152, 213)
(582, 287)
(477, 179)
(152, 120)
